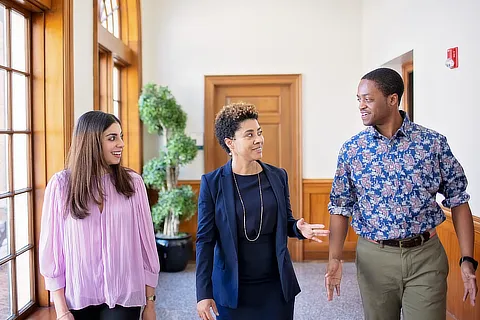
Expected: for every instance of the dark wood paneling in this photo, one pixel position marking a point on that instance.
(316, 195)
(457, 309)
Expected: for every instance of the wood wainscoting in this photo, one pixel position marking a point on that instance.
(315, 201)
(316, 195)
(456, 308)
(189, 226)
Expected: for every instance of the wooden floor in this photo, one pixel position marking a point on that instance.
(43, 314)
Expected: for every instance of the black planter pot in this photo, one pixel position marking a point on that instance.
(174, 252)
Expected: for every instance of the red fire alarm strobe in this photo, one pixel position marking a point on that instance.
(452, 58)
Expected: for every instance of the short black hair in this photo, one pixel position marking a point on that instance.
(228, 120)
(388, 81)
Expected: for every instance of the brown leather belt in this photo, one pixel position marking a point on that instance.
(409, 242)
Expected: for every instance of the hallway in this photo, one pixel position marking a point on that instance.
(176, 295)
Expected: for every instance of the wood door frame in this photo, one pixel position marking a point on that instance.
(407, 68)
(294, 81)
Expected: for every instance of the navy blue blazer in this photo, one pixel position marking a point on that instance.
(216, 250)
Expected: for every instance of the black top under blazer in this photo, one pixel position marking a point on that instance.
(216, 244)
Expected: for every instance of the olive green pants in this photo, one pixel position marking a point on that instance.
(408, 280)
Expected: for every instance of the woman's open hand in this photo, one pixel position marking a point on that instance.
(312, 231)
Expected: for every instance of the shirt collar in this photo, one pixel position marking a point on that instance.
(405, 129)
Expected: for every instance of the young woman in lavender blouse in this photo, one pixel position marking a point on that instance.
(97, 244)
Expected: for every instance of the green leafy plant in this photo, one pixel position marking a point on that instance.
(162, 115)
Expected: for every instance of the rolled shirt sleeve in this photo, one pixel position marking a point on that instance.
(454, 183)
(342, 195)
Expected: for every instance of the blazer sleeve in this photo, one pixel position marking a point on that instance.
(51, 255)
(292, 229)
(151, 264)
(205, 243)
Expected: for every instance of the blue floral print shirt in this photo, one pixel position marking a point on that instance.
(389, 186)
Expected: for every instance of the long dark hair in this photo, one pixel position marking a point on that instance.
(86, 165)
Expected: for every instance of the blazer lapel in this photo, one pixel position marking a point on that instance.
(278, 190)
(277, 187)
(226, 184)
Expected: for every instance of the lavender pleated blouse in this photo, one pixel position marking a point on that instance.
(107, 257)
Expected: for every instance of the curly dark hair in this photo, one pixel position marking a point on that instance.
(228, 120)
(388, 81)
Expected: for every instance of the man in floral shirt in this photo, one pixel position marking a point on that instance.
(387, 179)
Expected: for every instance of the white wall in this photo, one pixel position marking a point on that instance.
(445, 100)
(320, 39)
(82, 57)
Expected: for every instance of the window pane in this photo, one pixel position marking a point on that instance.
(19, 44)
(4, 231)
(114, 4)
(5, 296)
(3, 100)
(110, 23)
(101, 8)
(116, 109)
(116, 24)
(4, 173)
(20, 161)
(21, 206)
(23, 279)
(3, 35)
(108, 6)
(19, 101)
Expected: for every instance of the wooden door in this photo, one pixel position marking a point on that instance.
(277, 98)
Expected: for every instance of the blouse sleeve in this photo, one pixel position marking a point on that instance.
(151, 264)
(51, 257)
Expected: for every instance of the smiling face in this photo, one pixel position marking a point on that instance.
(375, 108)
(112, 144)
(247, 143)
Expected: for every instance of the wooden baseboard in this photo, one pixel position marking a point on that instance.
(450, 316)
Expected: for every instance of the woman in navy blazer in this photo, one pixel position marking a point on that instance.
(244, 269)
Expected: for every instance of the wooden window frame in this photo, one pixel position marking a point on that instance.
(407, 68)
(114, 14)
(105, 61)
(121, 83)
(14, 253)
(52, 108)
(126, 52)
(51, 120)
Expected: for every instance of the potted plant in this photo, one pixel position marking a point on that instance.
(162, 115)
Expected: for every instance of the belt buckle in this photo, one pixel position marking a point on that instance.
(380, 242)
(400, 242)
